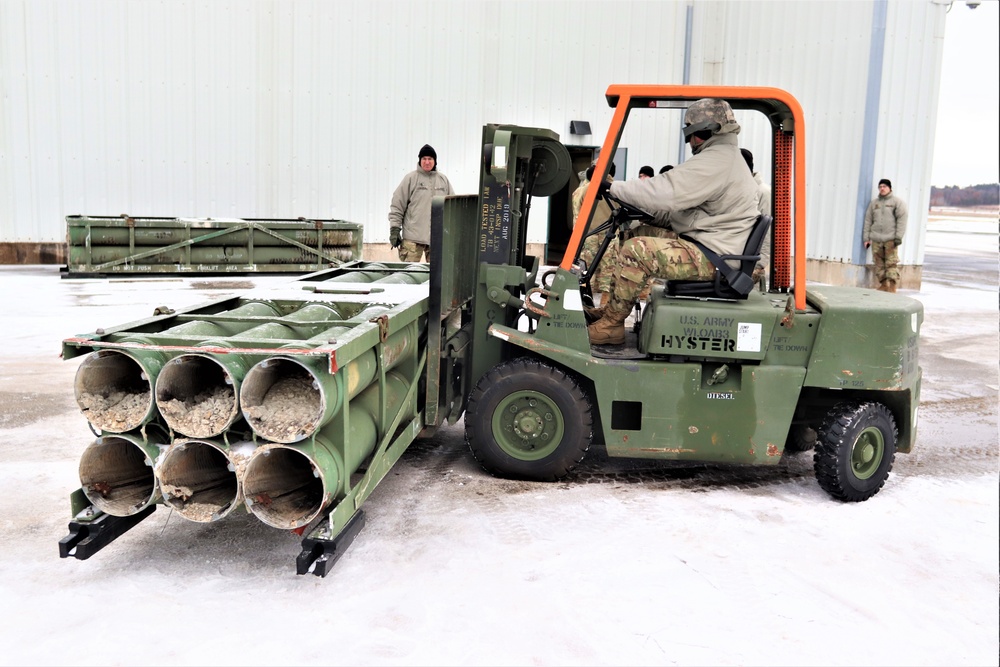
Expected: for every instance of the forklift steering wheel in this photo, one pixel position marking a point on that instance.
(628, 211)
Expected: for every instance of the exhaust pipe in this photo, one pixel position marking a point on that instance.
(198, 478)
(116, 473)
(287, 486)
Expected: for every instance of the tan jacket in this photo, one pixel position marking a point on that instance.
(411, 203)
(712, 197)
(885, 219)
(601, 209)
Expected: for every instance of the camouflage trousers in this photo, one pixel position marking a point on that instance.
(653, 230)
(645, 257)
(411, 251)
(602, 277)
(886, 258)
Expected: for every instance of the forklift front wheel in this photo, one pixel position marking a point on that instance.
(528, 420)
(855, 450)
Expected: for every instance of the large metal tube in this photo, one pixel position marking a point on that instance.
(405, 278)
(196, 394)
(316, 312)
(374, 272)
(267, 331)
(287, 486)
(324, 337)
(199, 480)
(208, 255)
(116, 472)
(286, 399)
(114, 387)
(163, 236)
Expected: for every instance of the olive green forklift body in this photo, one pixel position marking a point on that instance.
(704, 379)
(380, 353)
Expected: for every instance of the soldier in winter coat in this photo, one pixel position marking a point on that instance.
(712, 198)
(410, 210)
(885, 224)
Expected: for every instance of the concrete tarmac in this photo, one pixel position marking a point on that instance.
(623, 562)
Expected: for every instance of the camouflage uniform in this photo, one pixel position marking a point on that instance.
(411, 251)
(885, 224)
(601, 281)
(410, 209)
(764, 265)
(712, 198)
(885, 255)
(646, 257)
(602, 278)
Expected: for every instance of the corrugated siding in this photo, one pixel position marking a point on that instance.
(317, 109)
(819, 52)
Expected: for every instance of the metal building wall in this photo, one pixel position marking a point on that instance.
(820, 52)
(288, 109)
(317, 109)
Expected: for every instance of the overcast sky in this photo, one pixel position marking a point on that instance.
(967, 141)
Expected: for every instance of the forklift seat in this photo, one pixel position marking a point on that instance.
(727, 283)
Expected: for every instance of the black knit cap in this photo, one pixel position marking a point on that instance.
(886, 182)
(428, 151)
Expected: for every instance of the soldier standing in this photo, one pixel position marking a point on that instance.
(885, 224)
(712, 197)
(410, 210)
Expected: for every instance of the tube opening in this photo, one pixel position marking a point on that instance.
(196, 396)
(113, 391)
(283, 488)
(281, 400)
(117, 476)
(196, 479)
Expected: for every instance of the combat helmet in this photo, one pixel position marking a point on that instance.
(710, 114)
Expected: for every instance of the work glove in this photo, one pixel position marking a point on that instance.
(395, 236)
(898, 242)
(603, 187)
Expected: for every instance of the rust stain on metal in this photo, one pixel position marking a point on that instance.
(383, 327)
(262, 499)
(772, 450)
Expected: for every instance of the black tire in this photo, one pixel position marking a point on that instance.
(801, 438)
(528, 420)
(855, 450)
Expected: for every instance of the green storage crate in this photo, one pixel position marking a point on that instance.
(111, 245)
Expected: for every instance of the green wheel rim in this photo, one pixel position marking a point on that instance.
(528, 425)
(867, 453)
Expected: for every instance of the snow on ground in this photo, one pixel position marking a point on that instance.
(624, 563)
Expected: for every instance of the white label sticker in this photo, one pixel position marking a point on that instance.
(748, 337)
(572, 300)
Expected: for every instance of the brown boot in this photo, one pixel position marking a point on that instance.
(610, 329)
(597, 312)
(890, 286)
(882, 287)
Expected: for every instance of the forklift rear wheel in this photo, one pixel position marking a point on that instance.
(855, 450)
(529, 420)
